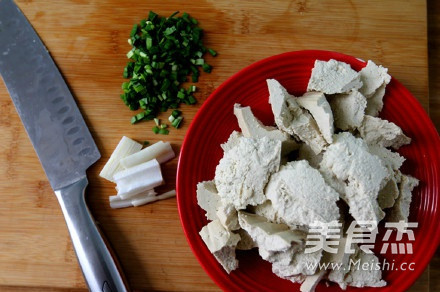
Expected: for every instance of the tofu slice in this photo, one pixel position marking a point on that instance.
(306, 153)
(319, 108)
(330, 178)
(331, 77)
(280, 245)
(400, 210)
(348, 159)
(337, 275)
(244, 170)
(221, 243)
(341, 259)
(300, 195)
(251, 127)
(360, 277)
(348, 109)
(393, 161)
(270, 237)
(310, 283)
(292, 119)
(388, 194)
(301, 264)
(208, 198)
(267, 211)
(278, 97)
(232, 141)
(375, 102)
(373, 77)
(228, 217)
(376, 131)
(246, 242)
(353, 274)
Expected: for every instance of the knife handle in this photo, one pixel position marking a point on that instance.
(100, 268)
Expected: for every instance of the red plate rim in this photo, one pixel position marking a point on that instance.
(429, 126)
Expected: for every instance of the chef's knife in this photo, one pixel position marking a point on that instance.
(60, 137)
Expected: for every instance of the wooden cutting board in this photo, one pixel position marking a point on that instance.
(88, 40)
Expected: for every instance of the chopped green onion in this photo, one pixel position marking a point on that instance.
(207, 68)
(152, 16)
(174, 14)
(176, 113)
(176, 122)
(164, 131)
(140, 116)
(134, 30)
(165, 51)
(170, 30)
(212, 52)
(138, 87)
(148, 69)
(191, 100)
(181, 95)
(149, 43)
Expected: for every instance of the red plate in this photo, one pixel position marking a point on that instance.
(214, 123)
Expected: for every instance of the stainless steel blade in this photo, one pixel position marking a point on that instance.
(46, 107)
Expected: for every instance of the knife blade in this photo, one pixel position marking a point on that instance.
(46, 107)
(60, 138)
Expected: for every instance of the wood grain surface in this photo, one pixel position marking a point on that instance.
(88, 41)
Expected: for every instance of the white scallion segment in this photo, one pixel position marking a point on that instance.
(117, 202)
(159, 149)
(140, 200)
(137, 179)
(152, 199)
(146, 193)
(166, 156)
(126, 147)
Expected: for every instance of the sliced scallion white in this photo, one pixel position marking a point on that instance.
(159, 149)
(125, 148)
(137, 179)
(138, 200)
(151, 199)
(118, 202)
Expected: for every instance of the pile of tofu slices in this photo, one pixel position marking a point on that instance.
(261, 198)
